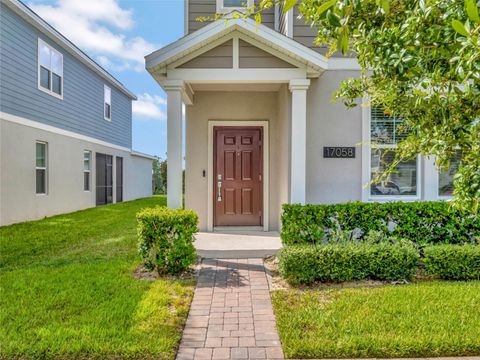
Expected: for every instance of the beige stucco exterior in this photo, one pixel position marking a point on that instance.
(328, 124)
(234, 105)
(19, 202)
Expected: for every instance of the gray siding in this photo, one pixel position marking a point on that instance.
(252, 57)
(81, 109)
(305, 34)
(220, 57)
(205, 8)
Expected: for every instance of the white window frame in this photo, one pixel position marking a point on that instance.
(40, 87)
(367, 164)
(45, 168)
(109, 102)
(89, 171)
(221, 9)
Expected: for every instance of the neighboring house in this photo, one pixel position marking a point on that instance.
(65, 125)
(261, 129)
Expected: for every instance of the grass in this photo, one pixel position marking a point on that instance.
(416, 320)
(67, 289)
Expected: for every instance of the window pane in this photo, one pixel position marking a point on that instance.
(41, 181)
(401, 182)
(56, 84)
(40, 155)
(86, 160)
(44, 78)
(57, 63)
(234, 3)
(107, 111)
(86, 181)
(445, 177)
(107, 95)
(44, 55)
(385, 129)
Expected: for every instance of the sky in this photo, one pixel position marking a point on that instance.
(118, 34)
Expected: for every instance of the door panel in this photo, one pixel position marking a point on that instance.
(104, 185)
(238, 167)
(119, 178)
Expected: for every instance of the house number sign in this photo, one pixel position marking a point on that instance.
(338, 152)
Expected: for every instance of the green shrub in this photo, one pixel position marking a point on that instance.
(166, 238)
(421, 222)
(453, 262)
(305, 264)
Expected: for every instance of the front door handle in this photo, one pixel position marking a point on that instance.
(219, 188)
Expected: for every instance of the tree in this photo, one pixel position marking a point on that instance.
(159, 176)
(420, 61)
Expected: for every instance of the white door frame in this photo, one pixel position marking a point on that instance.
(266, 168)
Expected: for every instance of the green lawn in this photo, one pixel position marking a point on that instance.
(67, 290)
(417, 320)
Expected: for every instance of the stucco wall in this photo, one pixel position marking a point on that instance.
(137, 177)
(18, 201)
(230, 106)
(332, 180)
(281, 157)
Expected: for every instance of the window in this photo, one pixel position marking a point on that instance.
(50, 69)
(445, 177)
(41, 167)
(87, 155)
(230, 5)
(107, 102)
(385, 132)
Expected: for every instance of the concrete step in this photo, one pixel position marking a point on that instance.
(237, 244)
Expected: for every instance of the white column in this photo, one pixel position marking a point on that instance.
(430, 179)
(298, 87)
(174, 89)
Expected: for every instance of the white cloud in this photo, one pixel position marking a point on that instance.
(150, 107)
(88, 24)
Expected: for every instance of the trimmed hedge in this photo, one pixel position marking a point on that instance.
(305, 264)
(421, 222)
(166, 238)
(453, 262)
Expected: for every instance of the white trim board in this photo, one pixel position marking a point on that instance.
(266, 167)
(37, 125)
(142, 155)
(252, 76)
(220, 28)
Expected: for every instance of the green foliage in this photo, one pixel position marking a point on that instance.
(159, 176)
(453, 262)
(346, 262)
(420, 61)
(419, 320)
(166, 238)
(67, 290)
(419, 222)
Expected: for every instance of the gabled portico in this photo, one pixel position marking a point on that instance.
(220, 72)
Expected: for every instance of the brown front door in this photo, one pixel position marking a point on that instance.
(238, 171)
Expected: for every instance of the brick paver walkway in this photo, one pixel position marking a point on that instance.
(231, 316)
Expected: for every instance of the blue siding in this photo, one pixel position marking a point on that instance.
(81, 109)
